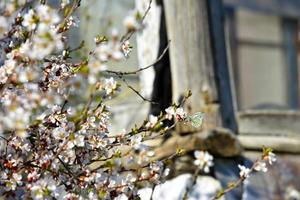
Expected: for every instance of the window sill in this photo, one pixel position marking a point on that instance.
(284, 144)
(269, 122)
(277, 129)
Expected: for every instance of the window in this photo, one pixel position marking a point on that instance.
(262, 48)
(261, 53)
(255, 47)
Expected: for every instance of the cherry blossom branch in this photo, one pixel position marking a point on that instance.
(129, 33)
(228, 189)
(146, 178)
(190, 187)
(59, 147)
(232, 186)
(76, 4)
(142, 128)
(258, 165)
(152, 191)
(120, 74)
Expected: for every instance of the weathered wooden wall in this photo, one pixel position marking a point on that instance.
(148, 44)
(191, 57)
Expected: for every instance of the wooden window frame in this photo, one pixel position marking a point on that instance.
(287, 10)
(289, 27)
(231, 117)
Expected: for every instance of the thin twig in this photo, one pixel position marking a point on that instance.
(235, 184)
(135, 91)
(78, 47)
(120, 74)
(147, 11)
(4, 138)
(152, 192)
(75, 5)
(141, 68)
(190, 187)
(130, 33)
(66, 167)
(64, 105)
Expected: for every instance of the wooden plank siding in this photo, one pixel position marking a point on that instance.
(191, 58)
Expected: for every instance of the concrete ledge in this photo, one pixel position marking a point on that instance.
(269, 122)
(289, 144)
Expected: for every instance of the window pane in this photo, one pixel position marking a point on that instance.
(256, 27)
(263, 77)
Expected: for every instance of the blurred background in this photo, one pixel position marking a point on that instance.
(240, 59)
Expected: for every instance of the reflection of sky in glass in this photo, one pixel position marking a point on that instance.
(261, 61)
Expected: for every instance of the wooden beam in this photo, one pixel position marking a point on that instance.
(148, 44)
(223, 79)
(191, 57)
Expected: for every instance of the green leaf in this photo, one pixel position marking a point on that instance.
(134, 131)
(266, 150)
(188, 94)
(101, 194)
(118, 154)
(158, 127)
(109, 164)
(180, 151)
(220, 193)
(138, 16)
(100, 38)
(72, 136)
(231, 185)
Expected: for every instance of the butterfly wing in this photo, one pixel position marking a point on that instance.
(196, 119)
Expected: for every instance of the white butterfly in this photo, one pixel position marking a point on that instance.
(196, 119)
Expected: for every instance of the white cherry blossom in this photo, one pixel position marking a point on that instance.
(261, 166)
(271, 157)
(170, 112)
(110, 85)
(203, 160)
(152, 121)
(244, 171)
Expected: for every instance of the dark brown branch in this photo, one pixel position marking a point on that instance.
(152, 192)
(235, 184)
(190, 187)
(147, 11)
(141, 68)
(4, 138)
(135, 91)
(81, 45)
(70, 173)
